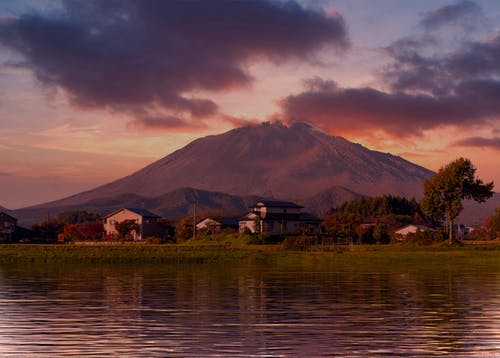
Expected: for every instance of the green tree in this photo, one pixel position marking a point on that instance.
(125, 228)
(77, 217)
(48, 230)
(445, 192)
(492, 225)
(184, 228)
(380, 234)
(257, 225)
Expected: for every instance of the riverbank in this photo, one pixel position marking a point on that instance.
(349, 256)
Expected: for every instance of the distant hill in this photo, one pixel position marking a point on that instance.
(475, 213)
(171, 205)
(271, 160)
(180, 202)
(335, 196)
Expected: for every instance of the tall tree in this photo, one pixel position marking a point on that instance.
(445, 191)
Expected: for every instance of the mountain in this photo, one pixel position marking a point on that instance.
(271, 160)
(171, 205)
(475, 213)
(335, 196)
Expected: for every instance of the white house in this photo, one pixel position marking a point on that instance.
(279, 218)
(213, 226)
(411, 229)
(146, 220)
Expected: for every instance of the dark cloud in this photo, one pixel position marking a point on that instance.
(426, 86)
(412, 71)
(491, 143)
(364, 110)
(465, 13)
(124, 54)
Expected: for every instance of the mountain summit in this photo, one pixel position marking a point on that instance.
(272, 160)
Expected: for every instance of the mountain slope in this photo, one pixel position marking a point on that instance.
(270, 160)
(474, 213)
(171, 205)
(335, 196)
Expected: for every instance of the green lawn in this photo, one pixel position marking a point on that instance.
(348, 256)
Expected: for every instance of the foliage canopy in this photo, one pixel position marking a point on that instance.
(444, 192)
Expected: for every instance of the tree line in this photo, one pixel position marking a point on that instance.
(370, 220)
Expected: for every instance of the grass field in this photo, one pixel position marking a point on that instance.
(440, 255)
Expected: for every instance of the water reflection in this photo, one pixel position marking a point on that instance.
(231, 310)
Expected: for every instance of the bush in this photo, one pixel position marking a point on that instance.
(155, 240)
(424, 238)
(264, 239)
(299, 243)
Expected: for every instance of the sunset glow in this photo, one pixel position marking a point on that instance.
(92, 91)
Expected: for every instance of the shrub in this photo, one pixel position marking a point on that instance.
(423, 238)
(298, 243)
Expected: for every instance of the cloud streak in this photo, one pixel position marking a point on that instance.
(129, 55)
(364, 110)
(479, 142)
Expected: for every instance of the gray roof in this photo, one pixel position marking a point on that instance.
(277, 204)
(309, 217)
(4, 214)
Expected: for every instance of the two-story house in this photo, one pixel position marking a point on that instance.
(279, 218)
(148, 223)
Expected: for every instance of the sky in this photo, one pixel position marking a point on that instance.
(93, 90)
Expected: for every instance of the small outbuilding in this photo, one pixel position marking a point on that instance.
(210, 225)
(411, 229)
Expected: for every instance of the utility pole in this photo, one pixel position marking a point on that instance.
(194, 220)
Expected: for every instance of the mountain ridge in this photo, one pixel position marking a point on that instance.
(172, 205)
(292, 162)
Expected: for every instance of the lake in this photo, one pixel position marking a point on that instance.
(247, 310)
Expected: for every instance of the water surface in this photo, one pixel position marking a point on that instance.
(246, 310)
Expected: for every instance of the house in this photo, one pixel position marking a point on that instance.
(148, 223)
(411, 229)
(462, 231)
(214, 226)
(279, 218)
(7, 227)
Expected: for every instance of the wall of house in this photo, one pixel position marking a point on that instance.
(209, 226)
(246, 225)
(109, 223)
